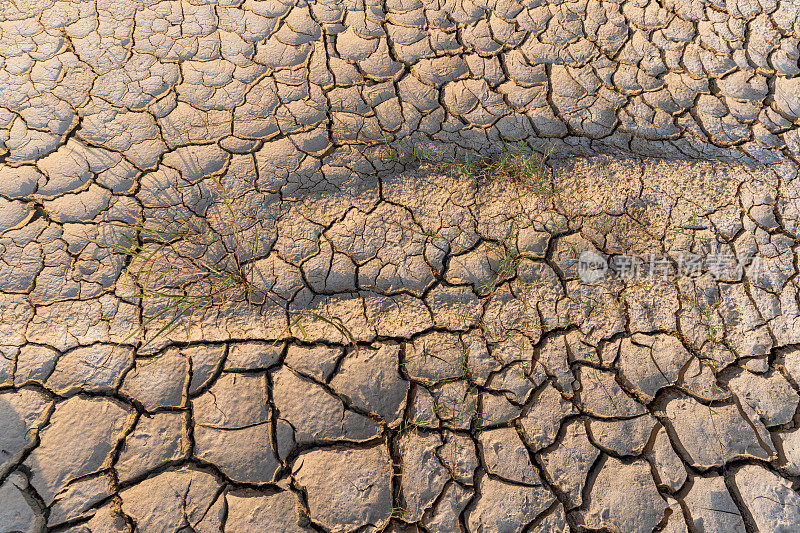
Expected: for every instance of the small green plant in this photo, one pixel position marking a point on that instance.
(449, 406)
(710, 319)
(398, 512)
(180, 269)
(335, 322)
(507, 262)
(515, 161)
(405, 427)
(529, 169)
(184, 268)
(482, 422)
(409, 153)
(722, 447)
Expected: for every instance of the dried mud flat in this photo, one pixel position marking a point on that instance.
(479, 381)
(385, 342)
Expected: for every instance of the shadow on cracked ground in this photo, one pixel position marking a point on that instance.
(443, 351)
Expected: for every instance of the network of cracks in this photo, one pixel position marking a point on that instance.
(432, 351)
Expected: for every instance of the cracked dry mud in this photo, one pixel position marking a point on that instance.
(423, 354)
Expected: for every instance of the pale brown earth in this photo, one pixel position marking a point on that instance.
(420, 352)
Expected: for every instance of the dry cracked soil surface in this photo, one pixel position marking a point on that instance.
(369, 336)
